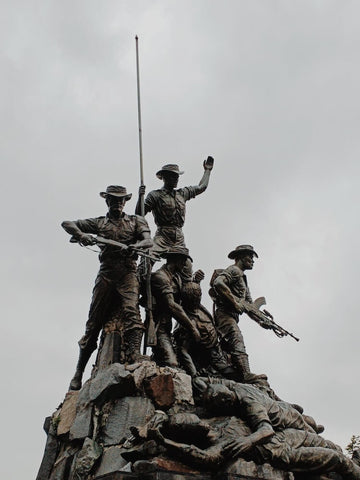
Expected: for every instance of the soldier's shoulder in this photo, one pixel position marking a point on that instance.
(155, 193)
(160, 278)
(233, 271)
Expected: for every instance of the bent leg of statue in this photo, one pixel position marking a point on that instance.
(232, 341)
(302, 451)
(185, 357)
(100, 303)
(321, 460)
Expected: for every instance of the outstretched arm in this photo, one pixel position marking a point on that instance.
(204, 182)
(179, 314)
(236, 447)
(210, 457)
(79, 235)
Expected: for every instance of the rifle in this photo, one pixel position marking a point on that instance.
(150, 338)
(114, 243)
(264, 318)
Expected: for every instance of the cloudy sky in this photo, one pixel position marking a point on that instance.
(267, 87)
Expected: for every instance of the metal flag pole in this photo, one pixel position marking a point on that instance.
(142, 209)
(150, 332)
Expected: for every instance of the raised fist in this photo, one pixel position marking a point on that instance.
(208, 163)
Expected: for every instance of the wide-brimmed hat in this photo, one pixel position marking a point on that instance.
(171, 167)
(176, 251)
(241, 249)
(116, 191)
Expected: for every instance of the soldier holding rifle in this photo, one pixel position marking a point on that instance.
(229, 291)
(116, 280)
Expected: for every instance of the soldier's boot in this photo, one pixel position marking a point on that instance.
(241, 362)
(84, 355)
(132, 340)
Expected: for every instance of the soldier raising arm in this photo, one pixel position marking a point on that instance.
(168, 205)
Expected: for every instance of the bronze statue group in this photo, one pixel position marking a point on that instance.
(208, 347)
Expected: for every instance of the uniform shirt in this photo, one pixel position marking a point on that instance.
(236, 280)
(128, 229)
(169, 207)
(257, 407)
(163, 282)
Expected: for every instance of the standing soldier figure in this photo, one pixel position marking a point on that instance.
(229, 290)
(116, 280)
(168, 207)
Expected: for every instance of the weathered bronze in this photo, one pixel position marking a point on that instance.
(289, 449)
(264, 318)
(166, 284)
(229, 290)
(116, 283)
(205, 355)
(168, 207)
(179, 414)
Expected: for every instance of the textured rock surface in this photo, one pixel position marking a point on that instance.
(86, 458)
(126, 412)
(51, 451)
(67, 413)
(90, 436)
(83, 422)
(112, 461)
(112, 382)
(161, 390)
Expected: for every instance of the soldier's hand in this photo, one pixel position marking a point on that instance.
(86, 239)
(142, 189)
(124, 250)
(236, 447)
(208, 163)
(198, 276)
(130, 251)
(240, 308)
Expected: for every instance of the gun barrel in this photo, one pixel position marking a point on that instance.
(265, 320)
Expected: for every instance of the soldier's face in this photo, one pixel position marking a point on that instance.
(170, 179)
(116, 205)
(248, 261)
(179, 261)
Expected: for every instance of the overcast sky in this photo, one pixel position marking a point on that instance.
(268, 88)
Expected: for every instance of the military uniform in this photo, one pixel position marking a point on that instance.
(164, 282)
(117, 280)
(169, 210)
(227, 318)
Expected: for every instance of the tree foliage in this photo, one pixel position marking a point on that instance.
(353, 444)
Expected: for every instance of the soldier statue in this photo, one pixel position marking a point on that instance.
(168, 207)
(206, 354)
(229, 290)
(116, 283)
(166, 285)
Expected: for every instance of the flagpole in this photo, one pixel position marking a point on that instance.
(139, 123)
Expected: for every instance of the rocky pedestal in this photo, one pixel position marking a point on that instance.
(92, 436)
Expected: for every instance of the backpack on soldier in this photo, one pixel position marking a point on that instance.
(212, 291)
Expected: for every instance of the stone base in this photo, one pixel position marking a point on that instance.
(176, 476)
(101, 431)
